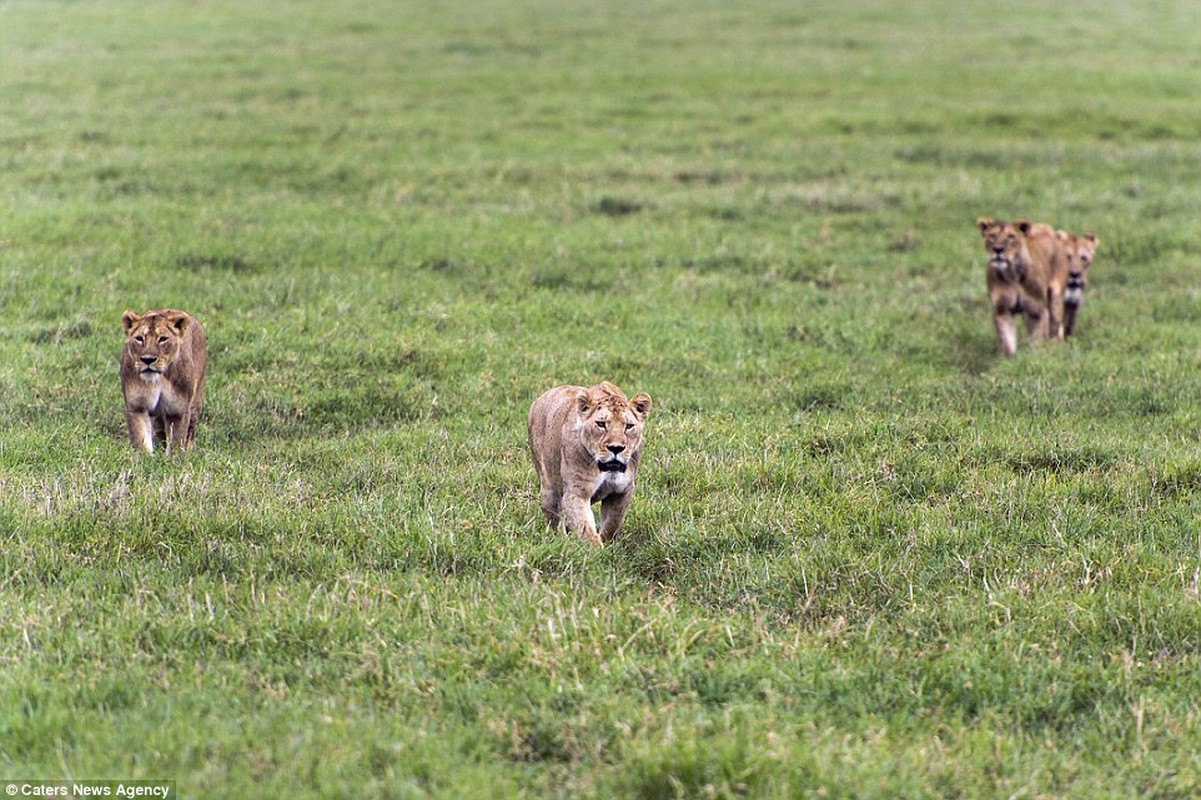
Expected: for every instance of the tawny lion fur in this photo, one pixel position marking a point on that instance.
(1080, 251)
(586, 444)
(162, 378)
(1027, 276)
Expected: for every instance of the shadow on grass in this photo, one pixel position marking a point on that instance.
(973, 351)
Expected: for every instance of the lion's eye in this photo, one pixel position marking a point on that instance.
(600, 423)
(629, 427)
(139, 340)
(163, 339)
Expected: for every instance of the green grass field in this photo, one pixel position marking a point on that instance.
(868, 557)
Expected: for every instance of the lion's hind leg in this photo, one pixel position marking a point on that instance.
(551, 502)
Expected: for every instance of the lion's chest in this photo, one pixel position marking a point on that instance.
(1006, 270)
(611, 483)
(151, 393)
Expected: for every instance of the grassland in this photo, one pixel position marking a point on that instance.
(869, 557)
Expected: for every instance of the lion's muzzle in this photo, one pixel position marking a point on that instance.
(1074, 294)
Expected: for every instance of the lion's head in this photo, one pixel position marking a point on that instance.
(1080, 250)
(611, 425)
(152, 341)
(1005, 243)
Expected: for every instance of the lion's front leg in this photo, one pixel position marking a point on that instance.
(613, 511)
(578, 517)
(1069, 317)
(176, 430)
(1007, 335)
(141, 430)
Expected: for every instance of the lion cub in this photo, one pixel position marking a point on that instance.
(586, 445)
(162, 377)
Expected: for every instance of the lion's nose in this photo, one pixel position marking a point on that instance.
(149, 359)
(998, 250)
(616, 448)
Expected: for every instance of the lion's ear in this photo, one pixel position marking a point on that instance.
(179, 321)
(1090, 237)
(1024, 224)
(129, 319)
(641, 403)
(1063, 235)
(984, 223)
(582, 402)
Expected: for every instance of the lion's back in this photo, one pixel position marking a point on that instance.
(544, 424)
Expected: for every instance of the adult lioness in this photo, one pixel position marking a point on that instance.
(1027, 275)
(162, 377)
(1080, 250)
(586, 445)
